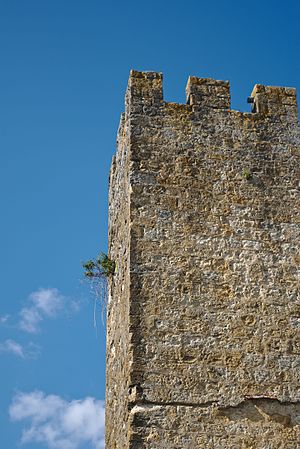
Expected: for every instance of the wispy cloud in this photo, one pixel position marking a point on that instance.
(12, 347)
(45, 302)
(28, 351)
(58, 423)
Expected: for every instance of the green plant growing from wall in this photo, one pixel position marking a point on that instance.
(97, 271)
(101, 266)
(247, 174)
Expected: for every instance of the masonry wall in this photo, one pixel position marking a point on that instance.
(203, 347)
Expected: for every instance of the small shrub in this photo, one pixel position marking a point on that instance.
(100, 267)
(97, 272)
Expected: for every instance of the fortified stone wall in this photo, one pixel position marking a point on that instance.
(203, 329)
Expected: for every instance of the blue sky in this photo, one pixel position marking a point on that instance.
(64, 70)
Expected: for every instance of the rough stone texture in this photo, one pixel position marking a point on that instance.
(203, 329)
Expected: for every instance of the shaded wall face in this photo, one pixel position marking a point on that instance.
(214, 269)
(118, 341)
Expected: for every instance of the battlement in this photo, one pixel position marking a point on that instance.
(274, 100)
(208, 93)
(205, 94)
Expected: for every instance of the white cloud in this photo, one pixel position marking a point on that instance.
(29, 351)
(46, 302)
(30, 319)
(13, 347)
(58, 423)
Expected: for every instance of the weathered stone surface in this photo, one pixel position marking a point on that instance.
(203, 329)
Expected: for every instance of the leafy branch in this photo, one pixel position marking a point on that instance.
(101, 266)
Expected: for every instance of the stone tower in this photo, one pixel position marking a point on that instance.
(203, 328)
